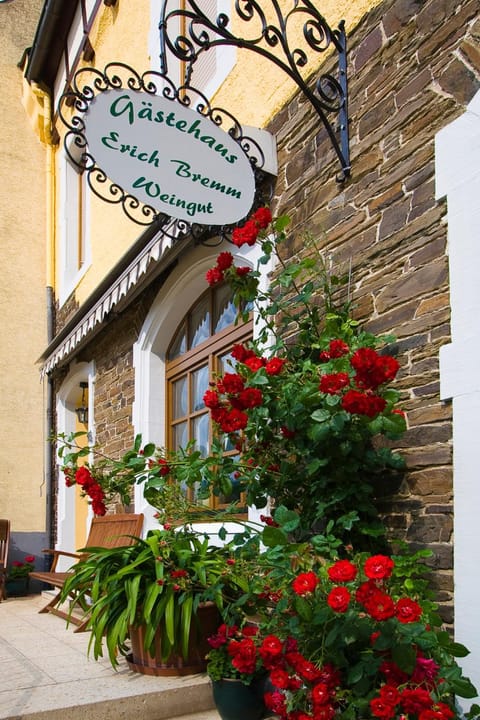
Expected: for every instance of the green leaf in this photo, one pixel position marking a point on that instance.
(458, 650)
(320, 415)
(148, 450)
(170, 617)
(464, 688)
(281, 223)
(288, 519)
(405, 657)
(303, 608)
(272, 536)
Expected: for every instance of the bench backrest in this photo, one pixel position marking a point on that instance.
(110, 531)
(4, 541)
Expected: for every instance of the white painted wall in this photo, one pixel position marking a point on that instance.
(457, 157)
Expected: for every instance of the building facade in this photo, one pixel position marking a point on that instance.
(23, 173)
(129, 305)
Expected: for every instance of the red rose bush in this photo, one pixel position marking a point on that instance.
(235, 653)
(306, 410)
(356, 637)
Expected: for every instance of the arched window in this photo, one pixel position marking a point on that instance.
(199, 350)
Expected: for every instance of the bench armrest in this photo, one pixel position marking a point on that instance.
(57, 554)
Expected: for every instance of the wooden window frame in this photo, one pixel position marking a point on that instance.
(208, 353)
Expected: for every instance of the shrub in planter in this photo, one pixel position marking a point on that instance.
(158, 584)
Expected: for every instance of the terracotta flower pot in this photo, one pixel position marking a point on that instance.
(139, 660)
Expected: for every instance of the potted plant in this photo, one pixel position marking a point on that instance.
(157, 600)
(18, 576)
(235, 667)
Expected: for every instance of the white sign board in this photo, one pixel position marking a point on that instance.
(170, 157)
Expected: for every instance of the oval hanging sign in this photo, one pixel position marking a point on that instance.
(170, 157)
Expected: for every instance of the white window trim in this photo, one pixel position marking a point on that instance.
(68, 279)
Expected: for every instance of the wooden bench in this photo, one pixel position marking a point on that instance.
(108, 531)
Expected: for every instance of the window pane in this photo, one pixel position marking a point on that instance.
(200, 433)
(179, 345)
(199, 385)
(224, 309)
(226, 363)
(200, 323)
(180, 398)
(180, 435)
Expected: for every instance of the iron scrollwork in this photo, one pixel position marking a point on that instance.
(272, 41)
(87, 83)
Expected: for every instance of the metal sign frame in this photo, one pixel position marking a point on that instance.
(88, 82)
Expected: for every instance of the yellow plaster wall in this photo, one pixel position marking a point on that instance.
(22, 288)
(119, 34)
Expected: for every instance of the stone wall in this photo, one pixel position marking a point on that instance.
(413, 66)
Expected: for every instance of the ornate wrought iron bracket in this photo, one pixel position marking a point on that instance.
(200, 33)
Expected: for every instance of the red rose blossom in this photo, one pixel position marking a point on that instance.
(263, 217)
(240, 352)
(274, 366)
(280, 679)
(234, 420)
(359, 403)
(440, 711)
(339, 599)
(378, 567)
(245, 235)
(414, 700)
(250, 397)
(305, 583)
(83, 476)
(334, 382)
(224, 260)
(407, 610)
(230, 383)
(254, 363)
(211, 399)
(381, 709)
(337, 348)
(320, 694)
(214, 276)
(342, 571)
(243, 654)
(389, 694)
(373, 369)
(380, 606)
(243, 270)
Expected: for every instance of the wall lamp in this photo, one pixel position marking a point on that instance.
(82, 411)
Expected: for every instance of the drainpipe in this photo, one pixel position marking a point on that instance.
(46, 137)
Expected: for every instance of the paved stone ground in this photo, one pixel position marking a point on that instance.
(45, 672)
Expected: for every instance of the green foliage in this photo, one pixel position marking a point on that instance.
(158, 583)
(387, 634)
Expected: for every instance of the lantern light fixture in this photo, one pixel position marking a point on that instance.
(82, 410)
